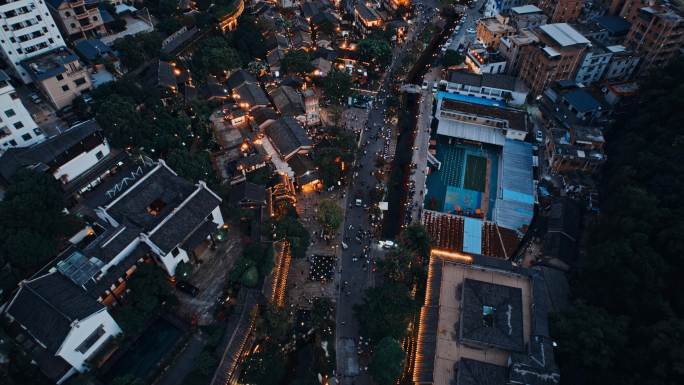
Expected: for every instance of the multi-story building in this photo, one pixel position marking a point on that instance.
(511, 46)
(366, 19)
(494, 7)
(622, 63)
(17, 128)
(526, 16)
(490, 31)
(657, 35)
(483, 61)
(77, 18)
(487, 86)
(594, 64)
(27, 30)
(556, 57)
(59, 75)
(561, 11)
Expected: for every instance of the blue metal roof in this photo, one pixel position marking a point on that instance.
(515, 203)
(614, 24)
(582, 100)
(470, 99)
(472, 235)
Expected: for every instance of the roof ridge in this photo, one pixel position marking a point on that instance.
(32, 290)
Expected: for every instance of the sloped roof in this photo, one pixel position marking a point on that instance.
(185, 220)
(253, 94)
(582, 100)
(506, 328)
(287, 101)
(247, 191)
(472, 372)
(47, 151)
(240, 77)
(47, 306)
(287, 135)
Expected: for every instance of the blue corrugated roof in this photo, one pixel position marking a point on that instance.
(470, 99)
(515, 207)
(582, 100)
(614, 24)
(472, 235)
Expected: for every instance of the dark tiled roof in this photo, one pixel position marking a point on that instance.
(159, 185)
(47, 306)
(365, 12)
(263, 114)
(98, 288)
(239, 78)
(47, 151)
(165, 75)
(287, 101)
(247, 192)
(301, 164)
(506, 328)
(252, 94)
(287, 135)
(110, 243)
(471, 372)
(49, 64)
(185, 220)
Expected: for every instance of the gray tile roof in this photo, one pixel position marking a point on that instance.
(287, 101)
(506, 328)
(253, 94)
(239, 78)
(185, 221)
(247, 192)
(287, 135)
(472, 372)
(47, 306)
(46, 152)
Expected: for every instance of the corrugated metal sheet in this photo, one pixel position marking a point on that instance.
(515, 203)
(472, 235)
(475, 132)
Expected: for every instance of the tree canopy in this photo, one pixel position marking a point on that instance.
(135, 50)
(296, 61)
(214, 56)
(377, 52)
(385, 311)
(628, 326)
(337, 86)
(387, 361)
(452, 58)
(32, 222)
(329, 215)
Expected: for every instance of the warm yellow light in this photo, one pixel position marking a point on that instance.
(451, 255)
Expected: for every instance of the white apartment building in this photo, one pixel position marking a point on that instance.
(593, 64)
(17, 128)
(26, 30)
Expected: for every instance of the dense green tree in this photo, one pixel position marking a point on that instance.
(274, 323)
(416, 241)
(137, 49)
(265, 367)
(329, 215)
(193, 166)
(452, 58)
(385, 311)
(32, 220)
(214, 56)
(387, 361)
(338, 86)
(629, 326)
(296, 62)
(376, 52)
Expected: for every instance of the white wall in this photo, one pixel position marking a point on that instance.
(170, 262)
(217, 217)
(515, 134)
(82, 163)
(80, 331)
(47, 41)
(10, 101)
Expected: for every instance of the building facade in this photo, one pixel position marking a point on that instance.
(556, 57)
(78, 19)
(59, 75)
(561, 11)
(657, 35)
(594, 64)
(27, 30)
(17, 128)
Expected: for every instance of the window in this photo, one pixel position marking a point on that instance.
(175, 252)
(14, 96)
(26, 137)
(488, 316)
(13, 142)
(90, 341)
(10, 113)
(37, 131)
(73, 25)
(18, 125)
(79, 81)
(60, 77)
(99, 155)
(65, 88)
(51, 41)
(67, 14)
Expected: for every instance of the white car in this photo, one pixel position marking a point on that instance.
(539, 137)
(471, 30)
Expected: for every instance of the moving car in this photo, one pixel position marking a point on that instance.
(187, 288)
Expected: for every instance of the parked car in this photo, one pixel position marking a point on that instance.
(187, 288)
(539, 136)
(35, 98)
(471, 31)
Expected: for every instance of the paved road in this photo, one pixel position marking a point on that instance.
(355, 274)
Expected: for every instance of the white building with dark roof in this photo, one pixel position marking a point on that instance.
(17, 128)
(488, 86)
